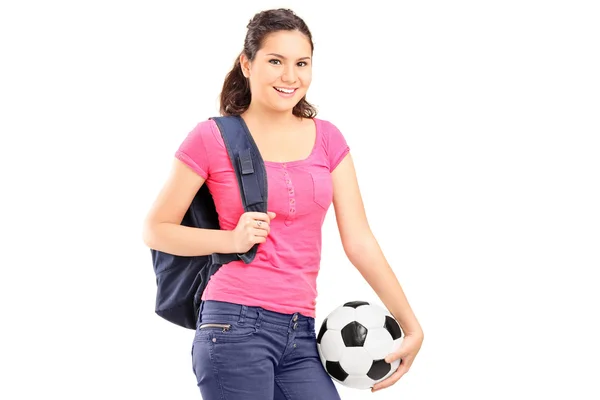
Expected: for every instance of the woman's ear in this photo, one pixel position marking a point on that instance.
(245, 65)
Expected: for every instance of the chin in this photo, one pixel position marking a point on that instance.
(281, 107)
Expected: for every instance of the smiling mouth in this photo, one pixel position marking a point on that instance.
(285, 90)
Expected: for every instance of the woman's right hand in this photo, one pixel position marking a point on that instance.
(252, 228)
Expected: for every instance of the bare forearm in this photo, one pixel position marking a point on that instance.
(187, 241)
(369, 260)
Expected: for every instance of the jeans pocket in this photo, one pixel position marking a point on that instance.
(322, 188)
(224, 331)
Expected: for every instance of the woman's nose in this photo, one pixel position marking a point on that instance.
(289, 75)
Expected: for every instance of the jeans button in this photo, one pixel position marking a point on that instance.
(295, 318)
(295, 325)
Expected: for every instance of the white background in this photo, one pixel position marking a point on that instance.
(474, 127)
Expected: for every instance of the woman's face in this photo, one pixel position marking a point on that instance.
(281, 72)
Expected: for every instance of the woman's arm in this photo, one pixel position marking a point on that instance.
(362, 248)
(162, 230)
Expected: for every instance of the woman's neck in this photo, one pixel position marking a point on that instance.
(269, 120)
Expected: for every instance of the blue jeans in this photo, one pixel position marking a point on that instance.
(250, 353)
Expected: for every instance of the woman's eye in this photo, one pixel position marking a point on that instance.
(278, 62)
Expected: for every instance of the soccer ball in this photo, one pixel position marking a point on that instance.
(353, 341)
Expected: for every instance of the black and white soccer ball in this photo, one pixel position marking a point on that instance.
(353, 342)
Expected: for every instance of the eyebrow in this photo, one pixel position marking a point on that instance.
(280, 56)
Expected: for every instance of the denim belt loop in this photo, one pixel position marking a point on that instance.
(243, 314)
(259, 317)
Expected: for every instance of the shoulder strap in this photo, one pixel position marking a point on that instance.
(250, 172)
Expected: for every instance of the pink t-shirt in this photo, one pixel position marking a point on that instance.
(283, 275)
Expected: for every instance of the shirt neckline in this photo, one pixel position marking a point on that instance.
(292, 163)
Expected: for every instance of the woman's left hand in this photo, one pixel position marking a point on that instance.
(411, 344)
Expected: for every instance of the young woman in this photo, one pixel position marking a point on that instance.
(255, 337)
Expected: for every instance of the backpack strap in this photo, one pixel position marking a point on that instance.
(250, 172)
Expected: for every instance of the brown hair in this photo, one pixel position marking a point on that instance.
(235, 96)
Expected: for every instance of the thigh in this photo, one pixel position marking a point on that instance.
(230, 363)
(301, 374)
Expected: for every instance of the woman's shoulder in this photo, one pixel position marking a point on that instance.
(329, 130)
(334, 142)
(327, 126)
(207, 132)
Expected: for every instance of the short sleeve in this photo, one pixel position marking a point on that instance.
(192, 150)
(337, 147)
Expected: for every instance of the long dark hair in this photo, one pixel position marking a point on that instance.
(235, 96)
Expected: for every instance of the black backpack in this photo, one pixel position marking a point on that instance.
(181, 280)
